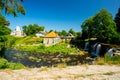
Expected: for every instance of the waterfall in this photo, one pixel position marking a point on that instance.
(111, 52)
(86, 46)
(96, 50)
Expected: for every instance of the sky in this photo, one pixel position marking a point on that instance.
(61, 14)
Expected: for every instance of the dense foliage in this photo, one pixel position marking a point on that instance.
(12, 7)
(6, 42)
(4, 30)
(32, 29)
(100, 26)
(117, 20)
(72, 32)
(5, 64)
(63, 33)
(8, 7)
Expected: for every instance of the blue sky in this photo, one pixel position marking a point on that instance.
(61, 14)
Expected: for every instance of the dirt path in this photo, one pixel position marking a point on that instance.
(82, 72)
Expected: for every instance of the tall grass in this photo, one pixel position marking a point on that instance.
(109, 59)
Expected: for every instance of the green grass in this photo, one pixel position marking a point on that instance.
(58, 48)
(28, 40)
(27, 45)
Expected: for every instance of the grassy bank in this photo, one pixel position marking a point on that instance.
(36, 45)
(58, 48)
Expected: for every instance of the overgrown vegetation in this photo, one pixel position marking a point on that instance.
(58, 48)
(102, 27)
(4, 64)
(32, 29)
(6, 42)
(109, 60)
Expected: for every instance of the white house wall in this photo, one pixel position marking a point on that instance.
(51, 41)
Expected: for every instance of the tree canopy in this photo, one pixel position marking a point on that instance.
(32, 29)
(117, 20)
(100, 26)
(72, 32)
(11, 7)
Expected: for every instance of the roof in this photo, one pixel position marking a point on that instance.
(52, 35)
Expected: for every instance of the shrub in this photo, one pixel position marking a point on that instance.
(5, 64)
(15, 66)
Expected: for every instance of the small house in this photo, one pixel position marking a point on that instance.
(40, 34)
(51, 39)
(70, 36)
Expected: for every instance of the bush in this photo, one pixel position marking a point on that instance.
(5, 64)
(15, 66)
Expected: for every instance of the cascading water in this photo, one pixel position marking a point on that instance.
(111, 52)
(96, 50)
(86, 46)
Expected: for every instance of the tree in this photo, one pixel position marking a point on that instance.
(63, 33)
(3, 21)
(117, 20)
(78, 33)
(32, 29)
(8, 7)
(12, 7)
(72, 32)
(50, 30)
(100, 26)
(4, 30)
(87, 28)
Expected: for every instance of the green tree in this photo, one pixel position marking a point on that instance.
(8, 7)
(50, 31)
(63, 33)
(32, 29)
(4, 30)
(11, 7)
(78, 33)
(117, 20)
(106, 28)
(72, 32)
(100, 26)
(87, 28)
(3, 21)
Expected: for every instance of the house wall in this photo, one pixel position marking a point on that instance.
(39, 35)
(51, 41)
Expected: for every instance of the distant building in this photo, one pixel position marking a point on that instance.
(17, 32)
(51, 38)
(70, 36)
(40, 34)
